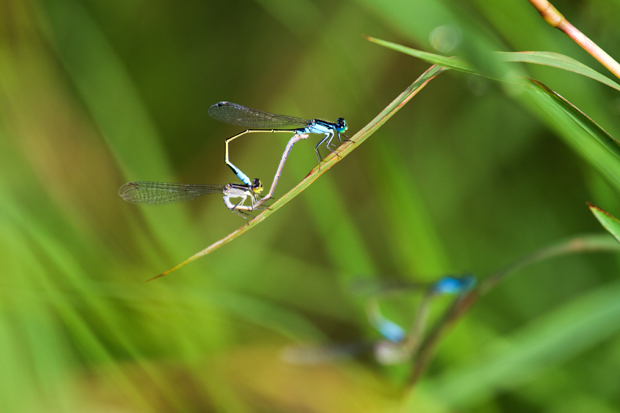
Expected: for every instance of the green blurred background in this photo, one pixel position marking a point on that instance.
(96, 93)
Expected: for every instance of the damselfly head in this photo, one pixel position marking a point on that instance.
(454, 284)
(341, 125)
(257, 186)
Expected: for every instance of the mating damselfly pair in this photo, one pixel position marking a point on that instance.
(162, 193)
(396, 345)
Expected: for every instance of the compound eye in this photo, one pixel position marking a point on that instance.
(257, 185)
(342, 125)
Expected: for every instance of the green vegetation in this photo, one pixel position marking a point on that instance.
(483, 174)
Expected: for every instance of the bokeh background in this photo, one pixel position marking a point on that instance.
(464, 178)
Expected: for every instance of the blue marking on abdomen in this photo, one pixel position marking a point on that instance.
(244, 178)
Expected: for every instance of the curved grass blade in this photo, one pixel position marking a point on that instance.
(447, 62)
(551, 59)
(559, 61)
(583, 244)
(577, 128)
(550, 341)
(327, 164)
(608, 221)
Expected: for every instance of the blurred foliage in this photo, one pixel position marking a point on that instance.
(468, 176)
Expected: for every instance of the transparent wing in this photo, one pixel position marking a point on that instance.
(323, 354)
(162, 193)
(366, 287)
(234, 114)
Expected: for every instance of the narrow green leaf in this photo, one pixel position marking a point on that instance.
(577, 128)
(447, 62)
(580, 130)
(608, 221)
(545, 343)
(558, 61)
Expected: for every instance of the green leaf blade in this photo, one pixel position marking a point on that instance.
(558, 61)
(447, 62)
(608, 221)
(327, 163)
(579, 130)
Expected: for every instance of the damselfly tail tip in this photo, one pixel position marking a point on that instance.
(161, 275)
(156, 277)
(126, 189)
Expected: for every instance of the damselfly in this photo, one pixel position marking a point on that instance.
(163, 193)
(238, 115)
(396, 345)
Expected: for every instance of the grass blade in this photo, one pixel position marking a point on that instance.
(439, 60)
(579, 129)
(547, 342)
(583, 244)
(558, 61)
(608, 221)
(551, 59)
(328, 163)
(582, 132)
